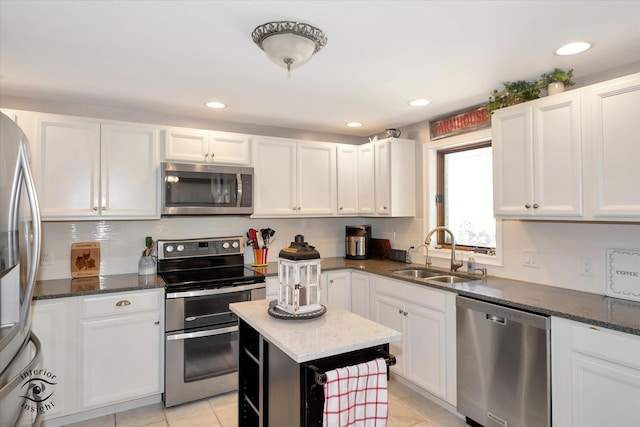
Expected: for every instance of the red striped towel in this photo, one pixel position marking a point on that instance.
(356, 395)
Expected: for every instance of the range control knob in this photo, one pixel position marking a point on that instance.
(235, 244)
(169, 248)
(180, 248)
(225, 245)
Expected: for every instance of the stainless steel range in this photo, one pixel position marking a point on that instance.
(203, 276)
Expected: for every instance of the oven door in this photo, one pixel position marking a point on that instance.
(201, 363)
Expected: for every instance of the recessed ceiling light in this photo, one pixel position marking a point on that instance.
(573, 48)
(354, 124)
(419, 102)
(215, 104)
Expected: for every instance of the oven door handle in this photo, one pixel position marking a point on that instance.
(201, 334)
(217, 291)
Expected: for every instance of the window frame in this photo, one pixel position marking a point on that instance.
(440, 191)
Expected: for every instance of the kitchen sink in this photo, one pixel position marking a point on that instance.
(427, 275)
(417, 273)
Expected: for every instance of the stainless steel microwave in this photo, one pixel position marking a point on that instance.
(205, 189)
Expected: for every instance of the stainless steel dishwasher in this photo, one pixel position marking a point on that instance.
(503, 365)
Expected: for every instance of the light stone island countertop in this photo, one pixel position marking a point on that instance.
(335, 332)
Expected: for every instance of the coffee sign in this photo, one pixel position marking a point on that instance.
(460, 122)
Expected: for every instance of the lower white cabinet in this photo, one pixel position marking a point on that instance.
(595, 376)
(360, 294)
(426, 317)
(272, 284)
(336, 289)
(104, 349)
(55, 323)
(121, 347)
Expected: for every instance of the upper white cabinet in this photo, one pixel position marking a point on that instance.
(195, 145)
(294, 178)
(614, 155)
(366, 180)
(395, 177)
(595, 376)
(537, 158)
(347, 169)
(86, 169)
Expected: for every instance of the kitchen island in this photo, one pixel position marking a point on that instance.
(277, 382)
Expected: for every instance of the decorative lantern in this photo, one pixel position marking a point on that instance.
(299, 275)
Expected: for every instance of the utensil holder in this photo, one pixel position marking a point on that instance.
(146, 266)
(260, 256)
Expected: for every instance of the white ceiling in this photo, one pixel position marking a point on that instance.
(173, 56)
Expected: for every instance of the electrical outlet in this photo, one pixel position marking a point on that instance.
(530, 259)
(585, 266)
(45, 259)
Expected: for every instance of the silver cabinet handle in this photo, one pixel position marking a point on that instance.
(206, 157)
(157, 322)
(528, 206)
(340, 208)
(536, 206)
(123, 303)
(95, 208)
(406, 313)
(400, 311)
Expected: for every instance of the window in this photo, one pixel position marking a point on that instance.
(465, 197)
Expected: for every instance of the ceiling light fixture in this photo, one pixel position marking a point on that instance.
(289, 44)
(353, 124)
(419, 102)
(573, 48)
(215, 104)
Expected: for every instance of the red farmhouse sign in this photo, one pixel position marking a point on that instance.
(460, 122)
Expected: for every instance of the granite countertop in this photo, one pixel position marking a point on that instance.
(60, 288)
(310, 339)
(598, 310)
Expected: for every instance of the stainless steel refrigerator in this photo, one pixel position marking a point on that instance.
(19, 255)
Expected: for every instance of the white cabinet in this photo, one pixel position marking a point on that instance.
(347, 177)
(55, 323)
(85, 169)
(121, 347)
(614, 155)
(426, 318)
(197, 145)
(272, 285)
(294, 178)
(537, 158)
(366, 180)
(360, 294)
(595, 376)
(336, 289)
(394, 171)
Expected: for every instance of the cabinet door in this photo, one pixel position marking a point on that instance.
(229, 148)
(121, 358)
(66, 160)
(189, 145)
(129, 172)
(55, 324)
(557, 145)
(595, 376)
(348, 180)
(425, 344)
(316, 173)
(366, 179)
(338, 286)
(274, 163)
(360, 294)
(389, 312)
(512, 162)
(615, 148)
(382, 178)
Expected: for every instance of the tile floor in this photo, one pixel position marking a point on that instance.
(406, 408)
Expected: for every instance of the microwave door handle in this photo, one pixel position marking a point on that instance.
(36, 228)
(239, 192)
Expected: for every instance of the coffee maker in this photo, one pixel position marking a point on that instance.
(357, 242)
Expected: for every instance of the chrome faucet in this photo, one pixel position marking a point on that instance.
(454, 264)
(427, 260)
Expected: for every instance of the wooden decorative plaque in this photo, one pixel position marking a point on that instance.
(85, 259)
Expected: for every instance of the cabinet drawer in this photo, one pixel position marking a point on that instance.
(120, 303)
(412, 293)
(604, 343)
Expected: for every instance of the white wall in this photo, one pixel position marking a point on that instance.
(122, 242)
